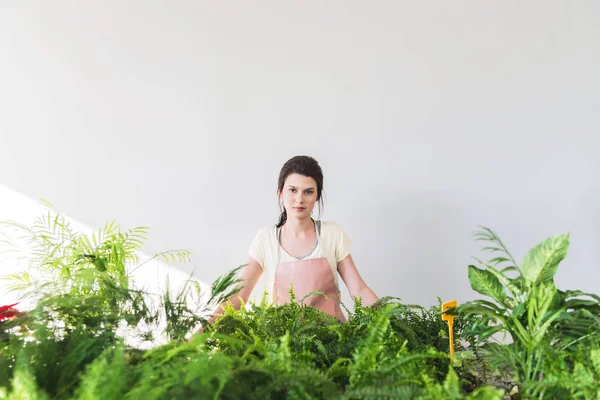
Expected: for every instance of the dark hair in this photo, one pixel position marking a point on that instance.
(303, 165)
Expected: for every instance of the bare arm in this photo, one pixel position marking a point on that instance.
(355, 283)
(249, 276)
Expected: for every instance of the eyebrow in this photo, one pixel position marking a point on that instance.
(292, 186)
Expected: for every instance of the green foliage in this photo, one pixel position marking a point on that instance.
(541, 263)
(572, 375)
(539, 318)
(23, 383)
(85, 301)
(366, 355)
(450, 389)
(72, 345)
(105, 377)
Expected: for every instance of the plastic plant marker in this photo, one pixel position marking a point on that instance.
(450, 319)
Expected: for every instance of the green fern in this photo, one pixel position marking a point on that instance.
(407, 391)
(23, 384)
(105, 377)
(364, 361)
(70, 345)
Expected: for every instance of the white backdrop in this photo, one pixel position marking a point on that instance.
(427, 117)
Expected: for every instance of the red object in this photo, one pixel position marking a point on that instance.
(8, 312)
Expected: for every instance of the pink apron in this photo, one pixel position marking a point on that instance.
(306, 276)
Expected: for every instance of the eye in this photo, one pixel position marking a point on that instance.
(292, 190)
(309, 192)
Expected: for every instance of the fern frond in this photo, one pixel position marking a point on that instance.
(313, 293)
(105, 377)
(23, 384)
(264, 301)
(487, 235)
(225, 287)
(377, 392)
(365, 355)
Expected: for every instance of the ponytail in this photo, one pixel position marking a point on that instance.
(282, 219)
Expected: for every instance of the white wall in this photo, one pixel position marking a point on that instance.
(428, 118)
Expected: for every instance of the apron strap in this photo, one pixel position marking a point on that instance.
(278, 235)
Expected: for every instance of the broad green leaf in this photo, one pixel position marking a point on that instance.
(517, 330)
(588, 314)
(580, 303)
(574, 293)
(478, 309)
(548, 295)
(514, 289)
(541, 299)
(486, 283)
(541, 262)
(487, 304)
(548, 319)
(489, 332)
(475, 329)
(519, 310)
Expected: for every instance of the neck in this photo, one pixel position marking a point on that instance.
(299, 227)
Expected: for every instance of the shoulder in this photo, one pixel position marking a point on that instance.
(330, 227)
(333, 232)
(265, 232)
(264, 240)
(335, 240)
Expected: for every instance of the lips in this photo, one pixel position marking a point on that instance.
(299, 208)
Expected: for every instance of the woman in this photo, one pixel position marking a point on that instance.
(302, 252)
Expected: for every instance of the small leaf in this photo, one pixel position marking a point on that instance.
(498, 260)
(492, 248)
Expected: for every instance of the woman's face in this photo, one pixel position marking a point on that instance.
(299, 196)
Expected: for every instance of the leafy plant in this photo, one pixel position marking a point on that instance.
(574, 374)
(74, 343)
(86, 302)
(539, 318)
